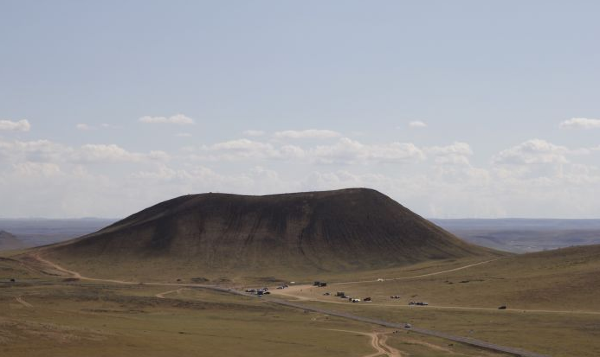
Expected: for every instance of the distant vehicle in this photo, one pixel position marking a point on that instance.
(407, 326)
(327, 294)
(280, 287)
(250, 290)
(12, 280)
(367, 299)
(316, 283)
(266, 292)
(503, 307)
(380, 279)
(340, 293)
(395, 297)
(322, 285)
(418, 303)
(355, 300)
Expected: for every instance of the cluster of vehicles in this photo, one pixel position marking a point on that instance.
(259, 292)
(343, 295)
(418, 303)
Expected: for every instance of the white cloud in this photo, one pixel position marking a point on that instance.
(417, 124)
(35, 151)
(458, 153)
(84, 127)
(307, 134)
(533, 178)
(21, 125)
(240, 149)
(581, 123)
(179, 119)
(45, 151)
(253, 133)
(534, 151)
(344, 151)
(114, 153)
(109, 126)
(351, 151)
(36, 169)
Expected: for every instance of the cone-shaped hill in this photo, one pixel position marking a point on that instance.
(225, 235)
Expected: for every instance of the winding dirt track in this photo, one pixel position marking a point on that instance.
(75, 274)
(23, 302)
(419, 276)
(378, 342)
(162, 295)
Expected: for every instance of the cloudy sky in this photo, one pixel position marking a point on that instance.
(454, 109)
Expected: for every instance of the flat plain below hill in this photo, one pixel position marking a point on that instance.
(44, 313)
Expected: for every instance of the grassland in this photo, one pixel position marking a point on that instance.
(551, 299)
(45, 315)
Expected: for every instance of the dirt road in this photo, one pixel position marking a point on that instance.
(418, 276)
(378, 342)
(23, 302)
(162, 295)
(76, 275)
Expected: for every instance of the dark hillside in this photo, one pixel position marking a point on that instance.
(343, 230)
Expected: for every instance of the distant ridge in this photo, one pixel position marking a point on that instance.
(231, 235)
(8, 241)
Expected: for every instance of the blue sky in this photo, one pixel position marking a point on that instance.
(269, 96)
